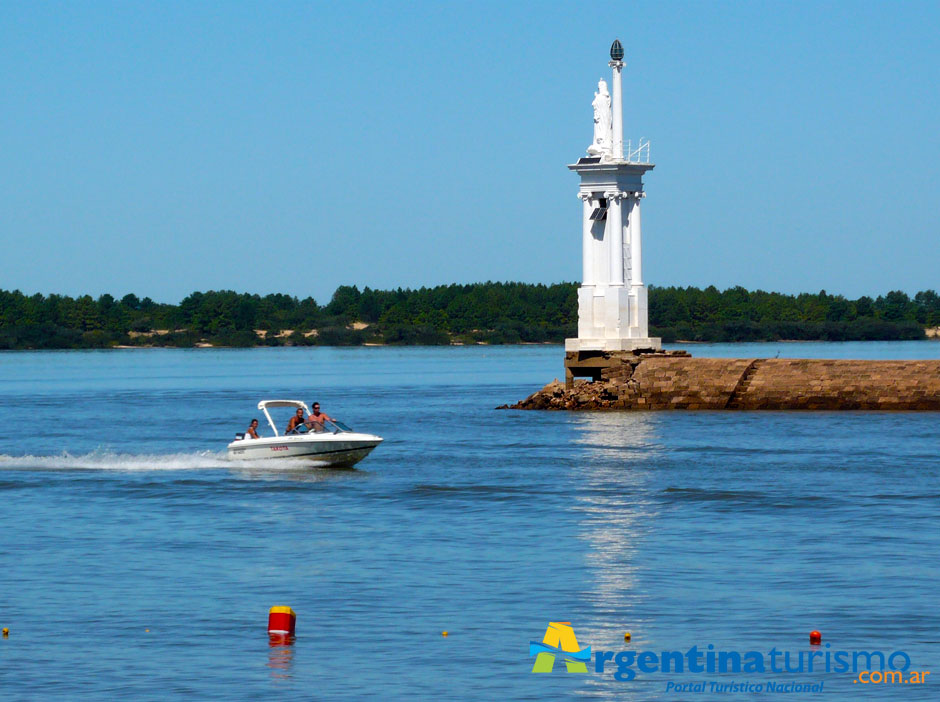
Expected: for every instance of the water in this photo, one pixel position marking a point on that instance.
(120, 514)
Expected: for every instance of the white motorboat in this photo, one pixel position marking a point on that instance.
(330, 443)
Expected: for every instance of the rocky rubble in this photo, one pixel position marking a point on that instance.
(584, 395)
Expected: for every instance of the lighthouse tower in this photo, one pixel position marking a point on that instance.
(612, 299)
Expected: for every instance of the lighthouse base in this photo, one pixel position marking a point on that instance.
(653, 343)
(593, 362)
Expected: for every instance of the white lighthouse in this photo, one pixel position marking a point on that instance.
(612, 299)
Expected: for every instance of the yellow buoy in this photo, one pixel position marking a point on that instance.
(6, 632)
(626, 637)
(443, 633)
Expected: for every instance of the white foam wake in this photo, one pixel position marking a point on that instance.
(108, 460)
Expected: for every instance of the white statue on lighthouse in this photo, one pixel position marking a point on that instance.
(603, 136)
(612, 299)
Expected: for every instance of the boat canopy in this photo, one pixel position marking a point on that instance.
(281, 403)
(265, 404)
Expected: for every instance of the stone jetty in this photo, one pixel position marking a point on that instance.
(676, 380)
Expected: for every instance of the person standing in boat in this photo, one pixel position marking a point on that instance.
(316, 418)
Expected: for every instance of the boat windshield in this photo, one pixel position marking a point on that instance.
(327, 426)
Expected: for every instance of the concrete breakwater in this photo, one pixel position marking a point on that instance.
(660, 381)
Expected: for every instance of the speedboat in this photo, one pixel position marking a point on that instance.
(330, 443)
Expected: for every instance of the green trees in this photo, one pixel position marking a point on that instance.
(739, 315)
(495, 313)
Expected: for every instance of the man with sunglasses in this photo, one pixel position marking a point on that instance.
(316, 418)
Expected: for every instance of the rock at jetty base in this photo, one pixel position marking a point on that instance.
(659, 382)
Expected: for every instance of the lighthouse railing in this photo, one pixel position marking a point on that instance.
(640, 154)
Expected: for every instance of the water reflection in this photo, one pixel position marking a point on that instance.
(299, 472)
(621, 451)
(280, 657)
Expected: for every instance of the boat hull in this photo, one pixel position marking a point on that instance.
(343, 449)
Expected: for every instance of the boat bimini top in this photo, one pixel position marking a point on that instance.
(264, 404)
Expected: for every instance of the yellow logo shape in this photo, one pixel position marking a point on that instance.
(560, 637)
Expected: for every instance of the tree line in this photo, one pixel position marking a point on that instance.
(494, 313)
(737, 314)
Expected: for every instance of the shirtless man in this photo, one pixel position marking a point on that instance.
(252, 431)
(316, 418)
(295, 421)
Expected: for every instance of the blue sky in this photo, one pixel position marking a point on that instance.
(165, 147)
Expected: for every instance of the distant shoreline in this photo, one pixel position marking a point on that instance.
(209, 346)
(479, 313)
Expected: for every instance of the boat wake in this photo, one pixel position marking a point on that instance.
(108, 460)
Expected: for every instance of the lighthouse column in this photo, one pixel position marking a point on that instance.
(639, 303)
(587, 240)
(636, 256)
(616, 302)
(617, 111)
(615, 236)
(586, 322)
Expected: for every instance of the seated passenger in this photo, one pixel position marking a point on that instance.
(295, 421)
(252, 431)
(316, 418)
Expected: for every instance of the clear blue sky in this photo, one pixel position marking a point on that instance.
(165, 147)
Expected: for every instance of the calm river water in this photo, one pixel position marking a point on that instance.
(137, 561)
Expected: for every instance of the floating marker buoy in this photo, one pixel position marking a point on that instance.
(281, 621)
(626, 637)
(815, 638)
(6, 632)
(443, 633)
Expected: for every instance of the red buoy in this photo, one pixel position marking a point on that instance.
(815, 638)
(282, 622)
